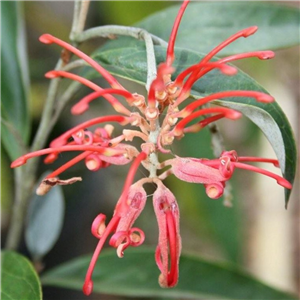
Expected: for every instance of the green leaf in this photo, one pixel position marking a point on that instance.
(19, 279)
(126, 57)
(14, 79)
(44, 221)
(136, 275)
(206, 24)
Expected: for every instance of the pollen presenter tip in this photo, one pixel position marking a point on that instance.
(267, 55)
(79, 109)
(265, 98)
(51, 74)
(18, 162)
(250, 31)
(87, 287)
(46, 38)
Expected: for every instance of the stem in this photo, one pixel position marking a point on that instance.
(138, 33)
(151, 61)
(22, 192)
(79, 17)
(43, 129)
(26, 177)
(109, 30)
(153, 158)
(151, 75)
(77, 5)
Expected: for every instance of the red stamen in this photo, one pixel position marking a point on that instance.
(195, 77)
(103, 150)
(225, 69)
(207, 67)
(98, 226)
(204, 68)
(280, 180)
(259, 54)
(180, 78)
(242, 33)
(83, 104)
(198, 126)
(88, 283)
(63, 139)
(171, 231)
(158, 83)
(49, 159)
(138, 241)
(260, 97)
(69, 164)
(170, 51)
(195, 74)
(83, 107)
(259, 159)
(118, 238)
(228, 113)
(49, 39)
(88, 83)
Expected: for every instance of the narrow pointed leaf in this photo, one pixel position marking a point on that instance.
(206, 24)
(14, 80)
(136, 275)
(126, 57)
(18, 278)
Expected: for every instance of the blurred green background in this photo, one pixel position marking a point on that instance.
(244, 234)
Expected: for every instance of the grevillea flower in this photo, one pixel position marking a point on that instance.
(156, 121)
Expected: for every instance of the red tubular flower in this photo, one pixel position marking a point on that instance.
(124, 235)
(213, 174)
(159, 121)
(128, 208)
(169, 240)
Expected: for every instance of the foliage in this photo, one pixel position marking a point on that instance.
(126, 57)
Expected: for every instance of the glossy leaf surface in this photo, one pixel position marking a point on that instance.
(18, 278)
(206, 24)
(136, 275)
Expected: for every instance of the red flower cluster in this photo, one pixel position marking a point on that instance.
(160, 120)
